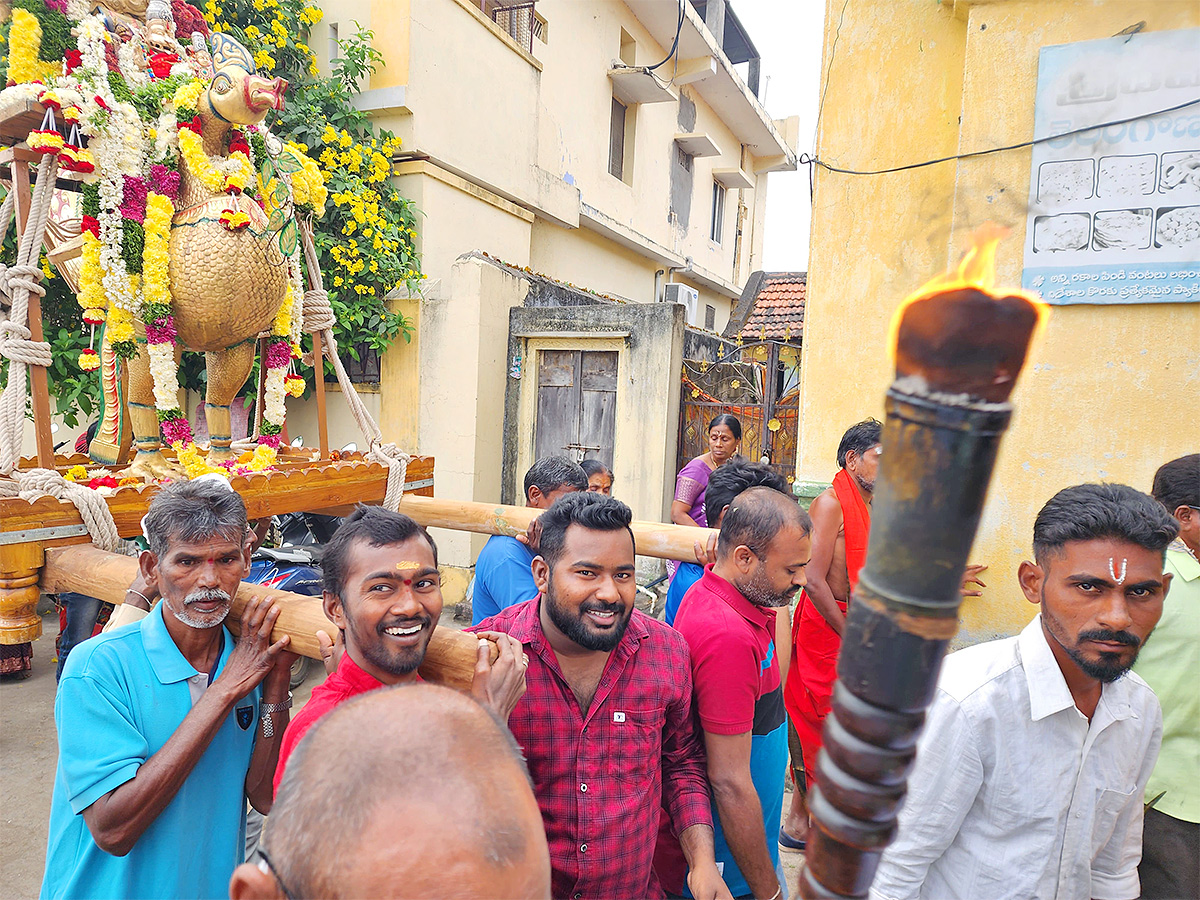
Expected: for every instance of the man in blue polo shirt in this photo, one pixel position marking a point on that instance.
(503, 572)
(158, 722)
(728, 619)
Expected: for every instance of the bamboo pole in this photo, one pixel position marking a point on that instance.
(656, 539)
(449, 660)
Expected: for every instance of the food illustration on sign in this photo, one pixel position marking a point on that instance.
(1066, 180)
(1180, 172)
(1066, 232)
(1122, 229)
(1178, 227)
(1126, 176)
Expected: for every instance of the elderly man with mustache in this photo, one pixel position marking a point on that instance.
(166, 725)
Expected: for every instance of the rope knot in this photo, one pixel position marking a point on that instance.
(28, 277)
(16, 344)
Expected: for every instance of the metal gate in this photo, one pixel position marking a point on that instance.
(761, 391)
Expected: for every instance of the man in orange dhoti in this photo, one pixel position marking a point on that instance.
(841, 520)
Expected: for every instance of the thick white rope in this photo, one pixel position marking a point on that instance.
(318, 319)
(29, 484)
(17, 283)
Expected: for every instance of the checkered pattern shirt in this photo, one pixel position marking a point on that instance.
(601, 777)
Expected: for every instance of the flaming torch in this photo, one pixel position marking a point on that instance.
(959, 347)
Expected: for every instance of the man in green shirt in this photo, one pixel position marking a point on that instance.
(1170, 664)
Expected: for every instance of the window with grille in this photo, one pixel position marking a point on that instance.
(710, 317)
(718, 212)
(616, 140)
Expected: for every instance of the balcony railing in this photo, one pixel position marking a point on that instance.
(518, 20)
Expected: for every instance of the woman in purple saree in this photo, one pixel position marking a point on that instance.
(724, 436)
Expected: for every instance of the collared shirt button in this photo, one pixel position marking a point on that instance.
(583, 788)
(583, 848)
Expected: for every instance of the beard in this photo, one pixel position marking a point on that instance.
(1111, 665)
(573, 625)
(867, 487)
(394, 660)
(759, 591)
(203, 620)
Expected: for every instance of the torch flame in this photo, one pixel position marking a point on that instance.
(976, 270)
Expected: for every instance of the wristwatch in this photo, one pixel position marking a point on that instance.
(266, 709)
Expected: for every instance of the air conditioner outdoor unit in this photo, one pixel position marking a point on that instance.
(688, 297)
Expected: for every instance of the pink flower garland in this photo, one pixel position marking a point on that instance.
(161, 331)
(133, 199)
(164, 181)
(279, 353)
(177, 430)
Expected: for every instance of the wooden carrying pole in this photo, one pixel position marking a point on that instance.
(449, 660)
(650, 538)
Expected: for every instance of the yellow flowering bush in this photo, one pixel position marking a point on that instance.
(364, 230)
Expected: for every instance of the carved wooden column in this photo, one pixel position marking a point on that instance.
(19, 592)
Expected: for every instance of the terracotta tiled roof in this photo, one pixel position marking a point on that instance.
(777, 312)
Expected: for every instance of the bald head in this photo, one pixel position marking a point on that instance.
(413, 791)
(755, 517)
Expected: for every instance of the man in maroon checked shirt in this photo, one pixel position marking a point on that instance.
(606, 719)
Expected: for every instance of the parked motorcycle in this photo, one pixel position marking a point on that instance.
(294, 564)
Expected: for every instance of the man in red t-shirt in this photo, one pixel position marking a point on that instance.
(384, 593)
(728, 619)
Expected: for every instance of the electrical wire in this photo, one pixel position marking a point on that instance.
(674, 43)
(806, 159)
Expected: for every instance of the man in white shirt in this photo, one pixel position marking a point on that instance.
(1029, 775)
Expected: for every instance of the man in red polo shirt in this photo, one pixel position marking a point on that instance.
(728, 619)
(384, 593)
(606, 722)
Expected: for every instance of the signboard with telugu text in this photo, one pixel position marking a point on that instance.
(1114, 211)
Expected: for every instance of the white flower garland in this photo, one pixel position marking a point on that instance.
(116, 276)
(274, 409)
(91, 45)
(166, 137)
(164, 374)
(294, 276)
(127, 55)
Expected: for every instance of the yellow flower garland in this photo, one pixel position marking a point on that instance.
(25, 40)
(120, 326)
(283, 319)
(188, 95)
(91, 287)
(156, 257)
(191, 146)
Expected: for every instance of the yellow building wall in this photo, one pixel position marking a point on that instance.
(1109, 393)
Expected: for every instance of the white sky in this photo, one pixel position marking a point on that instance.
(788, 35)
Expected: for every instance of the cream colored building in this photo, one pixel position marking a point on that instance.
(555, 149)
(537, 133)
(1109, 393)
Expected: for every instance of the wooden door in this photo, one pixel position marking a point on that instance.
(576, 404)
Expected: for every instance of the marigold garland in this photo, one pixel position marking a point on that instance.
(25, 42)
(234, 172)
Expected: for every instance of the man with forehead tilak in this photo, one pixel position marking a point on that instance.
(606, 724)
(384, 594)
(1030, 772)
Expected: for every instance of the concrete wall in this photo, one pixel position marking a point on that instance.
(647, 420)
(463, 371)
(1104, 393)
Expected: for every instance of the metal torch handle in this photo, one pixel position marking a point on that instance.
(938, 458)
